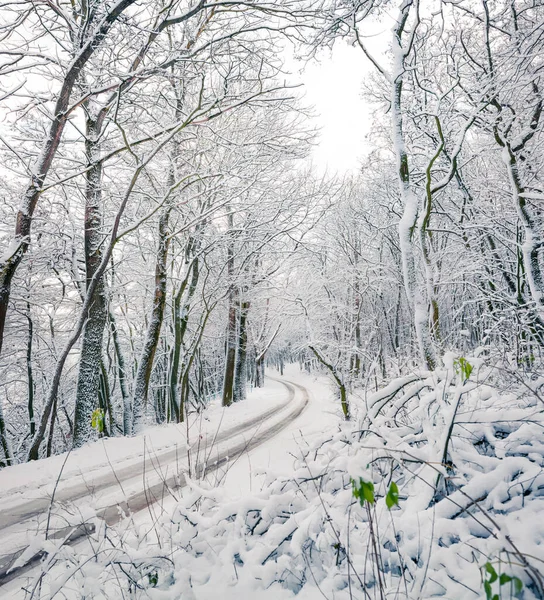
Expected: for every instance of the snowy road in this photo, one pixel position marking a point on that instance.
(66, 506)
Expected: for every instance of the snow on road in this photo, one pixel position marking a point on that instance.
(105, 471)
(277, 455)
(22, 481)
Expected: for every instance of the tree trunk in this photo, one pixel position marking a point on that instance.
(181, 319)
(240, 374)
(4, 441)
(93, 333)
(193, 351)
(121, 373)
(259, 372)
(408, 222)
(105, 400)
(230, 358)
(49, 447)
(30, 376)
(145, 366)
(339, 382)
(531, 247)
(356, 356)
(259, 359)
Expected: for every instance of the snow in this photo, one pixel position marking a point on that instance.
(322, 415)
(277, 541)
(281, 522)
(10, 251)
(88, 468)
(96, 456)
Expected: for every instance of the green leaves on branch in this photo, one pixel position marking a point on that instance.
(392, 497)
(491, 576)
(97, 420)
(364, 492)
(462, 367)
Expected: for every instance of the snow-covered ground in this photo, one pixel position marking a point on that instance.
(466, 453)
(22, 481)
(282, 521)
(79, 484)
(278, 454)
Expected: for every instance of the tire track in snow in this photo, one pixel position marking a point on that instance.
(150, 494)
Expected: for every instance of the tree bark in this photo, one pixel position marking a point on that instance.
(259, 359)
(230, 359)
(105, 400)
(531, 247)
(145, 366)
(408, 223)
(30, 376)
(88, 383)
(339, 382)
(121, 373)
(4, 441)
(193, 351)
(240, 374)
(259, 372)
(49, 448)
(181, 320)
(231, 343)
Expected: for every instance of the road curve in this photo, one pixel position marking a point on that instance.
(243, 437)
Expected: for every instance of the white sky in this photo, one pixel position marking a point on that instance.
(333, 87)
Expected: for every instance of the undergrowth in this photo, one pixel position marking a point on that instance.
(437, 491)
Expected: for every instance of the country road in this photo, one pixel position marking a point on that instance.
(64, 513)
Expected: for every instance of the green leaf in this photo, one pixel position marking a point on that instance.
(97, 420)
(504, 578)
(392, 498)
(463, 367)
(518, 585)
(368, 491)
(487, 588)
(492, 573)
(355, 490)
(495, 597)
(364, 491)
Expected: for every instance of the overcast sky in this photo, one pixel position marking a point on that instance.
(333, 87)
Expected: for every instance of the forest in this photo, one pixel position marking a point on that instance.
(164, 237)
